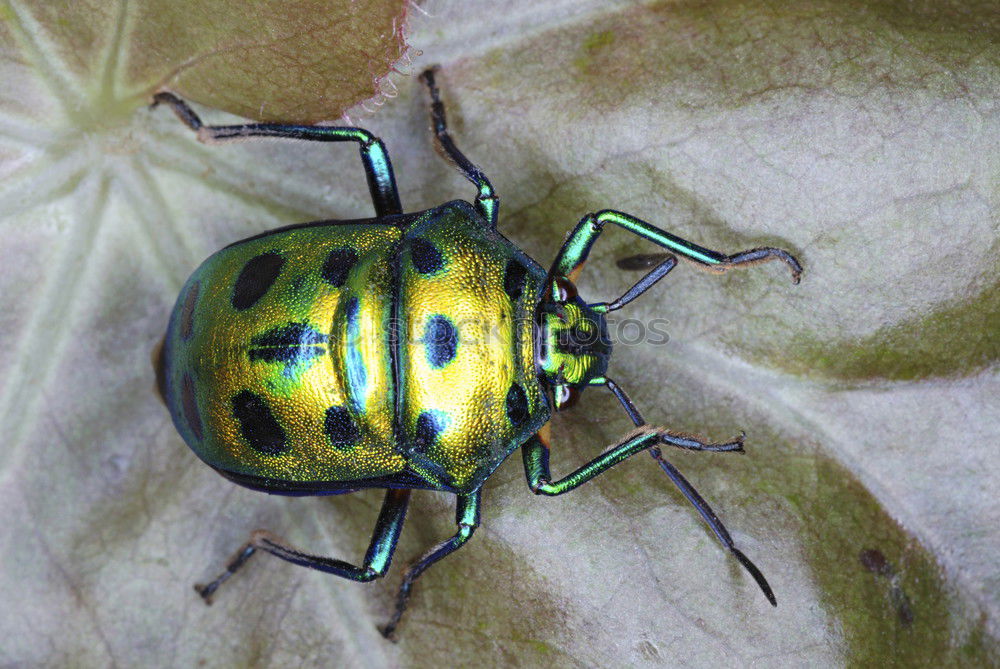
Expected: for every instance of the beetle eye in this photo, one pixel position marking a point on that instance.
(563, 289)
(565, 396)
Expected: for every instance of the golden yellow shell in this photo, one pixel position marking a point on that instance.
(393, 352)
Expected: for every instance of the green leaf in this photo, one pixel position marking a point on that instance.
(862, 136)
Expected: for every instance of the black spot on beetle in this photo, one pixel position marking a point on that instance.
(426, 257)
(513, 279)
(189, 402)
(187, 311)
(428, 429)
(340, 427)
(440, 340)
(289, 343)
(256, 278)
(517, 405)
(258, 425)
(338, 264)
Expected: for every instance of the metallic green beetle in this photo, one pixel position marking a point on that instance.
(404, 351)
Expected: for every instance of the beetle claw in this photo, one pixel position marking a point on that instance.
(205, 592)
(388, 632)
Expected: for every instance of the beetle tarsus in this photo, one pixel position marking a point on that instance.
(690, 442)
(179, 107)
(205, 591)
(245, 552)
(486, 201)
(402, 599)
(719, 263)
(765, 254)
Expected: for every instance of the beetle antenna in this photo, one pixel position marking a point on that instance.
(697, 501)
(641, 286)
(626, 403)
(713, 521)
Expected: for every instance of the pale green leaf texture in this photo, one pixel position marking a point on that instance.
(862, 136)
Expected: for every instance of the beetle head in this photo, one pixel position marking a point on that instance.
(572, 345)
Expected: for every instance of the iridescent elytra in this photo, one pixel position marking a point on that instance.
(404, 351)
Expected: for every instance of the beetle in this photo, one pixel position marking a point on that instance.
(331, 356)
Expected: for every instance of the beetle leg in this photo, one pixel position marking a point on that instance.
(487, 201)
(377, 559)
(536, 462)
(535, 453)
(576, 249)
(378, 169)
(467, 519)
